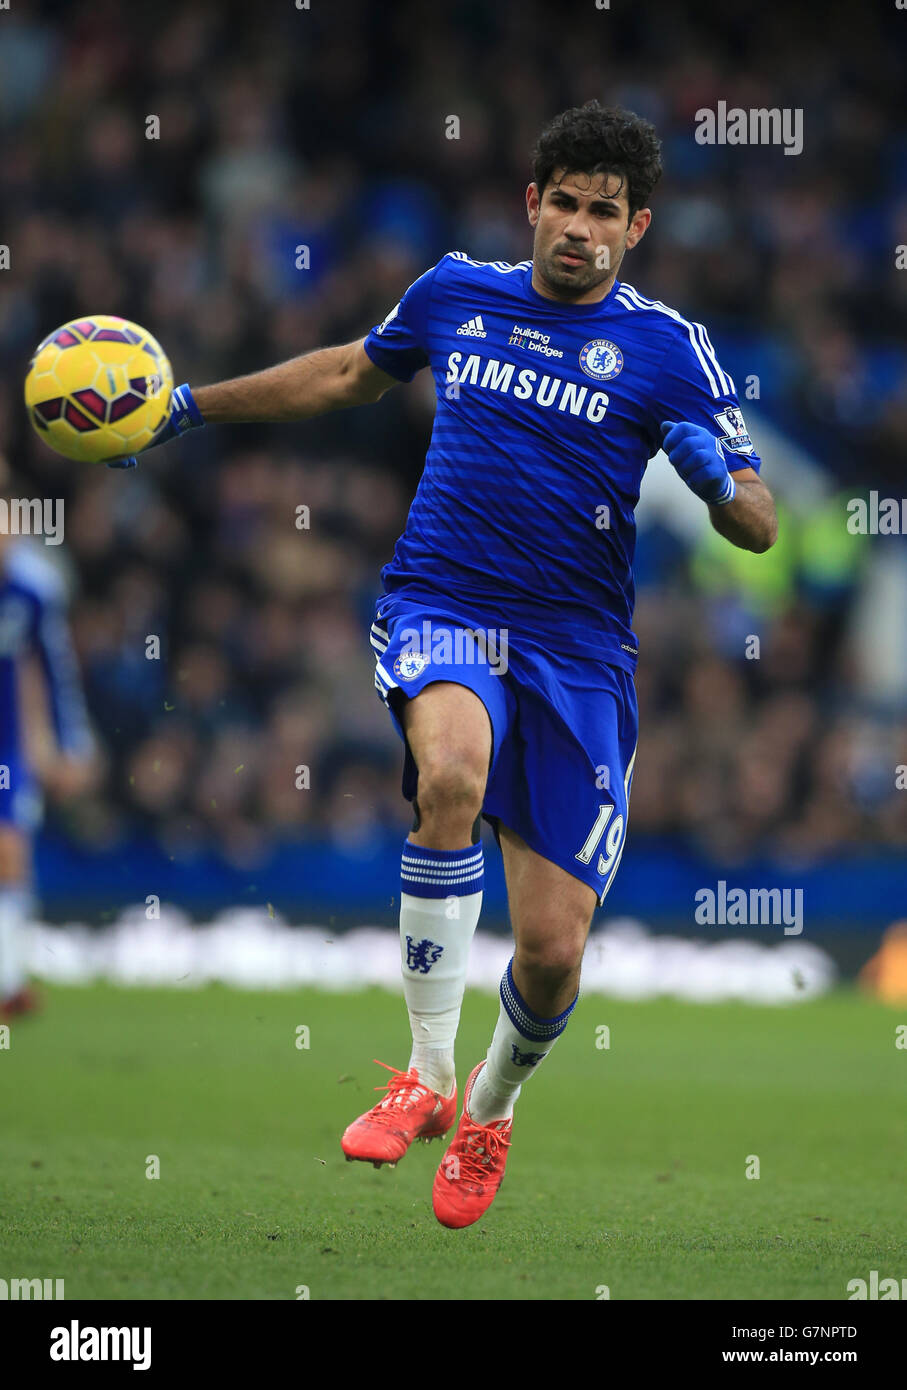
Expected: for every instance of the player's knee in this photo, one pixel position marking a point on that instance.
(451, 785)
(552, 960)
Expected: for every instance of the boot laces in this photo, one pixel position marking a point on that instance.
(404, 1090)
(481, 1148)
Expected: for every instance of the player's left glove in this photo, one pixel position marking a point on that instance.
(700, 460)
(184, 415)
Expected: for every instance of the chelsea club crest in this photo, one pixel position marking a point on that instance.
(601, 359)
(409, 665)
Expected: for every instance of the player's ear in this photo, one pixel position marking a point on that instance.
(638, 224)
(533, 202)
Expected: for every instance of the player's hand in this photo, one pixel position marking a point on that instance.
(184, 415)
(700, 460)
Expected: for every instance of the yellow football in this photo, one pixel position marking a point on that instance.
(99, 388)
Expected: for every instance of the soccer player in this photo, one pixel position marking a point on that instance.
(505, 652)
(32, 624)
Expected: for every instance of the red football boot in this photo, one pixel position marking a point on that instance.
(472, 1170)
(409, 1111)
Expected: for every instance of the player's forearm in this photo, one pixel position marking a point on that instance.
(296, 390)
(750, 520)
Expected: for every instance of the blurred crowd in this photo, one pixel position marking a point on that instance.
(279, 128)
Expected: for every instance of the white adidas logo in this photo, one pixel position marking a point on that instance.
(472, 328)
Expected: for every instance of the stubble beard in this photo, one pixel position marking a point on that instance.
(575, 284)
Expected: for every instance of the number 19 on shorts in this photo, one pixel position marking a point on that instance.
(613, 839)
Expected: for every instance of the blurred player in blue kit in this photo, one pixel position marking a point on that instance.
(504, 642)
(33, 631)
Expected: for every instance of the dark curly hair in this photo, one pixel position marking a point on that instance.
(595, 139)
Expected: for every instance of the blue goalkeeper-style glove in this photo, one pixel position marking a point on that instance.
(700, 460)
(184, 415)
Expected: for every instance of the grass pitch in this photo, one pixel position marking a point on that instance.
(628, 1168)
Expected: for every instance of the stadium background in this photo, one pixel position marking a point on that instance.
(326, 128)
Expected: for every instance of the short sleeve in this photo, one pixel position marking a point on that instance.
(692, 386)
(398, 345)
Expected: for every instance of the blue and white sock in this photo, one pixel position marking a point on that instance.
(521, 1042)
(440, 902)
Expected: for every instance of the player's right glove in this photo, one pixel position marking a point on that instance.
(699, 459)
(184, 416)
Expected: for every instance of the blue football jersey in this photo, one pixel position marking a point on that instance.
(33, 620)
(547, 414)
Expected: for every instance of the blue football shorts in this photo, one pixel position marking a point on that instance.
(564, 730)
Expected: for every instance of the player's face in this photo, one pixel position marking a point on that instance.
(582, 230)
